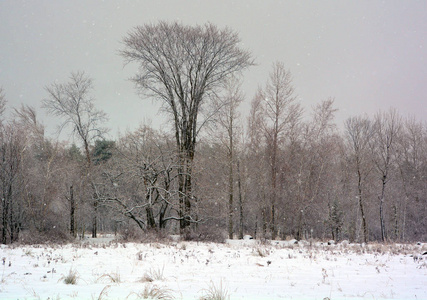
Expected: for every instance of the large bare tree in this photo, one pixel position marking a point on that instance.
(182, 66)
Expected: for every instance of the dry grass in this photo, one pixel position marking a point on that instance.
(153, 275)
(261, 251)
(215, 292)
(112, 278)
(71, 277)
(154, 292)
(104, 293)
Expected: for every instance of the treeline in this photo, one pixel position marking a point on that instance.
(309, 180)
(280, 172)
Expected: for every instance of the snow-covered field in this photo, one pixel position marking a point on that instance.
(191, 270)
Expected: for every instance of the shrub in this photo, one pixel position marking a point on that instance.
(53, 235)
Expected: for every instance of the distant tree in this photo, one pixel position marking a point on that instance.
(335, 219)
(74, 153)
(313, 163)
(72, 101)
(256, 164)
(11, 147)
(281, 109)
(183, 66)
(386, 129)
(103, 151)
(412, 158)
(227, 131)
(358, 135)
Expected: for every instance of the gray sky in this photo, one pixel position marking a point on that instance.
(368, 55)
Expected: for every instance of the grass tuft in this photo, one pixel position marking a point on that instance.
(154, 292)
(153, 275)
(214, 292)
(112, 278)
(71, 278)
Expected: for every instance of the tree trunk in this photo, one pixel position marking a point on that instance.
(151, 222)
(300, 226)
(95, 217)
(362, 211)
(240, 202)
(5, 209)
(264, 222)
(230, 189)
(185, 186)
(11, 221)
(396, 223)
(383, 233)
(274, 183)
(72, 212)
(162, 214)
(7, 215)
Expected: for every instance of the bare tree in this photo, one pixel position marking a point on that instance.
(387, 127)
(412, 155)
(281, 111)
(72, 101)
(182, 66)
(11, 148)
(312, 164)
(359, 133)
(12, 145)
(257, 164)
(227, 131)
(137, 181)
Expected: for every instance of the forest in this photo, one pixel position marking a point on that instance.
(283, 171)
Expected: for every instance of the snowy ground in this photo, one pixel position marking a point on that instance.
(190, 270)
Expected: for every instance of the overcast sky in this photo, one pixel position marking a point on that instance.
(368, 55)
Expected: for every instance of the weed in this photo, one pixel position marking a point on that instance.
(71, 278)
(154, 292)
(104, 292)
(214, 292)
(153, 274)
(28, 252)
(324, 275)
(113, 277)
(262, 252)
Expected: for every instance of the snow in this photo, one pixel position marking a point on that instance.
(245, 269)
